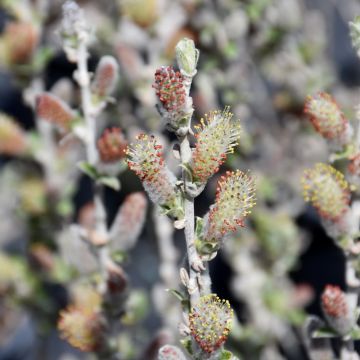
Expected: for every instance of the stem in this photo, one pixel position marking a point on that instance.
(169, 310)
(101, 230)
(167, 251)
(195, 264)
(83, 79)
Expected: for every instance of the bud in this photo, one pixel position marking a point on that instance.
(354, 165)
(235, 196)
(187, 56)
(116, 279)
(32, 193)
(112, 145)
(42, 257)
(129, 221)
(145, 158)
(327, 118)
(73, 28)
(355, 33)
(170, 352)
(216, 136)
(73, 20)
(54, 110)
(142, 12)
(335, 307)
(82, 330)
(210, 322)
(327, 190)
(12, 137)
(106, 77)
(172, 96)
(20, 40)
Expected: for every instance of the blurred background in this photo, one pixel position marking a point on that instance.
(260, 57)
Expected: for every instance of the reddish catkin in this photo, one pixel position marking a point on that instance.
(12, 137)
(146, 159)
(333, 301)
(20, 41)
(129, 221)
(54, 110)
(210, 322)
(327, 190)
(235, 196)
(112, 145)
(354, 165)
(106, 77)
(82, 329)
(336, 309)
(170, 352)
(326, 117)
(216, 136)
(170, 88)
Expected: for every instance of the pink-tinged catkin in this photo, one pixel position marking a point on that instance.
(235, 196)
(170, 88)
(54, 110)
(171, 352)
(129, 221)
(333, 302)
(146, 159)
(327, 190)
(116, 280)
(327, 118)
(20, 41)
(336, 309)
(112, 145)
(210, 322)
(354, 165)
(217, 135)
(106, 77)
(12, 137)
(82, 329)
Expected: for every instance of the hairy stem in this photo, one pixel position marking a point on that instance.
(89, 113)
(83, 79)
(195, 264)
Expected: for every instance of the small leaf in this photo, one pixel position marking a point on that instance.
(110, 181)
(186, 343)
(186, 305)
(225, 355)
(199, 227)
(345, 153)
(176, 293)
(206, 248)
(324, 333)
(88, 169)
(355, 333)
(119, 256)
